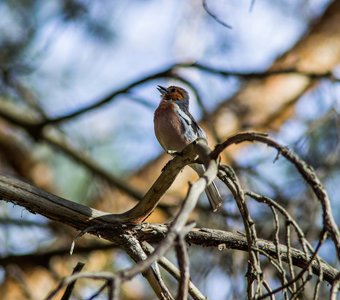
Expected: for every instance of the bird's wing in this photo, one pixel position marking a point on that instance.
(191, 122)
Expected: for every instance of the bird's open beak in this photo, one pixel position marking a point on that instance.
(161, 89)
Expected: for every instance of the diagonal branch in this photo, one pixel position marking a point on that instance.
(62, 210)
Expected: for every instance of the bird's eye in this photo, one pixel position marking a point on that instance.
(172, 90)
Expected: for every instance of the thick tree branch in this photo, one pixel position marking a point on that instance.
(58, 209)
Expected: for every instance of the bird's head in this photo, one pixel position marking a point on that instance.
(174, 93)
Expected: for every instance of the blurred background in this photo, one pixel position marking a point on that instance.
(86, 72)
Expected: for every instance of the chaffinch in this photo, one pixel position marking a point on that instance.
(176, 128)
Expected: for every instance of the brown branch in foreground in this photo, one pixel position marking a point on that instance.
(113, 226)
(56, 139)
(81, 217)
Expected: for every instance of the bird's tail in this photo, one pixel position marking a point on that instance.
(212, 192)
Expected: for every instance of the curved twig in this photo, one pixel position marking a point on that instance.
(304, 169)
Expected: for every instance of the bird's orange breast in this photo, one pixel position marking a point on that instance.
(168, 127)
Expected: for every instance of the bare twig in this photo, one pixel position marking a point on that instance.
(70, 287)
(277, 245)
(210, 13)
(165, 73)
(258, 75)
(305, 170)
(300, 275)
(105, 276)
(183, 262)
(35, 127)
(153, 275)
(98, 292)
(228, 176)
(335, 287)
(194, 292)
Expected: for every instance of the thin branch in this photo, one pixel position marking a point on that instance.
(134, 249)
(335, 287)
(183, 262)
(165, 73)
(98, 292)
(252, 5)
(259, 75)
(194, 292)
(34, 127)
(299, 276)
(108, 229)
(211, 14)
(81, 217)
(106, 276)
(42, 258)
(304, 169)
(113, 293)
(70, 287)
(228, 176)
(20, 223)
(277, 245)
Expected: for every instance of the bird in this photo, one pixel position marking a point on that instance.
(175, 128)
